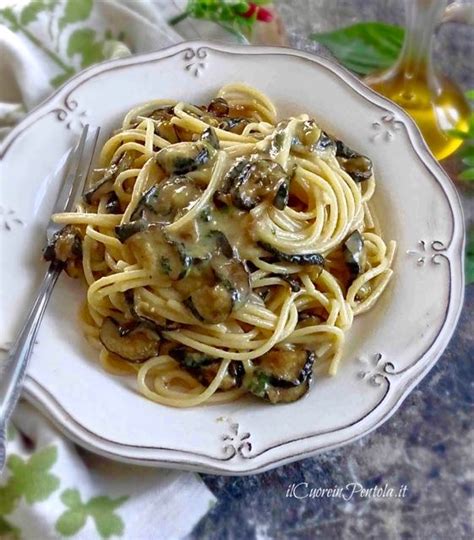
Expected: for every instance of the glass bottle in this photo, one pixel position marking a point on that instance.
(432, 99)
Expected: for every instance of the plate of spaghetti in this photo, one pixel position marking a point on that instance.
(260, 275)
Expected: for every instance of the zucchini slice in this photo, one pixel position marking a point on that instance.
(281, 376)
(205, 367)
(306, 319)
(163, 127)
(210, 136)
(162, 113)
(102, 187)
(282, 195)
(65, 250)
(159, 255)
(234, 125)
(218, 107)
(132, 342)
(200, 274)
(232, 379)
(106, 183)
(306, 137)
(354, 254)
(211, 303)
(325, 142)
(278, 139)
(357, 166)
(263, 292)
(159, 114)
(190, 358)
(224, 287)
(125, 231)
(183, 134)
(113, 204)
(167, 201)
(302, 259)
(216, 285)
(234, 276)
(222, 245)
(260, 386)
(184, 157)
(251, 182)
(142, 311)
(294, 283)
(234, 177)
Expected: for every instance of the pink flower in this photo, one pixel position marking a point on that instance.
(263, 15)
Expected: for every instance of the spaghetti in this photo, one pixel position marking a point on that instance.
(224, 252)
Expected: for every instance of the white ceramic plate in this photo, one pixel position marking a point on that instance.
(389, 350)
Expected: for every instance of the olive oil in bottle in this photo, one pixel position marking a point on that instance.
(431, 99)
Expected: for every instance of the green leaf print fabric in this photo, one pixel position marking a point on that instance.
(45, 42)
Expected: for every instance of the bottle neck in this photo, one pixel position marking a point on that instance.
(422, 18)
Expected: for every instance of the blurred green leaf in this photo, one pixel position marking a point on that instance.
(228, 14)
(83, 43)
(242, 7)
(469, 160)
(466, 151)
(31, 478)
(469, 267)
(101, 509)
(457, 133)
(8, 531)
(70, 522)
(9, 15)
(75, 11)
(30, 12)
(467, 174)
(364, 47)
(61, 78)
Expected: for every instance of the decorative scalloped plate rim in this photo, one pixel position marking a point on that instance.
(399, 383)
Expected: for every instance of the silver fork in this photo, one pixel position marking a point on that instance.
(13, 374)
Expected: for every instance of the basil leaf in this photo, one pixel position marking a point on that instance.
(469, 160)
(457, 133)
(467, 174)
(469, 267)
(364, 47)
(466, 152)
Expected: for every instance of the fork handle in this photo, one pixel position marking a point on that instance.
(15, 366)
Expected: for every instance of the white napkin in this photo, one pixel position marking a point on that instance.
(50, 489)
(45, 42)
